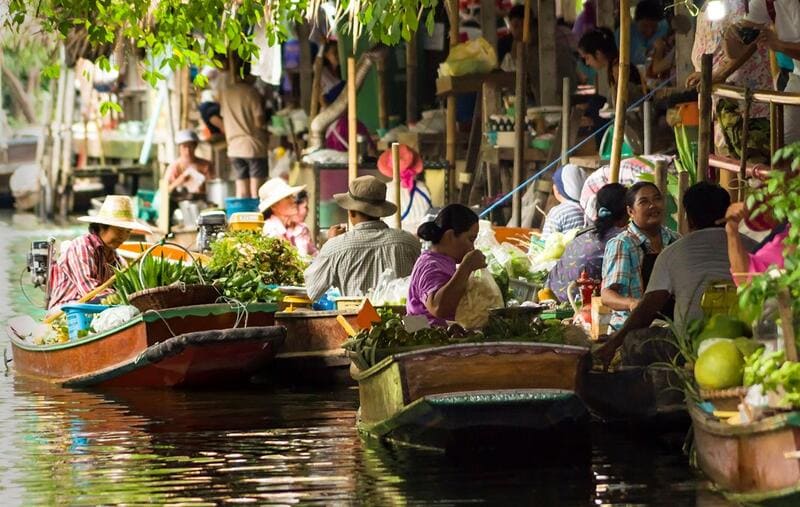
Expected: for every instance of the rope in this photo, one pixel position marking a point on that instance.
(556, 161)
(241, 309)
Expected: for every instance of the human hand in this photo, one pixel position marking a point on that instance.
(633, 304)
(768, 39)
(336, 230)
(732, 42)
(693, 80)
(605, 353)
(736, 213)
(474, 261)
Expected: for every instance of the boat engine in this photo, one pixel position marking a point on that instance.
(39, 260)
(211, 225)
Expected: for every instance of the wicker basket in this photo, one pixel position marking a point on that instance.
(724, 399)
(173, 296)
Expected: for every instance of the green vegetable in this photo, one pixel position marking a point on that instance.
(155, 272)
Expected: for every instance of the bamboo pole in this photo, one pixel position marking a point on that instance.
(647, 110)
(450, 136)
(184, 77)
(398, 222)
(566, 99)
(352, 121)
(787, 324)
(661, 176)
(383, 115)
(622, 87)
(704, 134)
(767, 96)
(520, 108)
(748, 99)
(683, 184)
(411, 80)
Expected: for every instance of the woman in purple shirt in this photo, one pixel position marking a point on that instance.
(440, 275)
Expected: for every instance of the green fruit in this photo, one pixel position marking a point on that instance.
(720, 366)
(709, 342)
(747, 345)
(723, 326)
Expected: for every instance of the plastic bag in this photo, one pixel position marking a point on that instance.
(390, 291)
(113, 317)
(481, 296)
(472, 57)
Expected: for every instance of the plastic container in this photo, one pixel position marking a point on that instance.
(79, 317)
(246, 221)
(349, 304)
(522, 290)
(240, 205)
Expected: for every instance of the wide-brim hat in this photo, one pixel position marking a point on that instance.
(117, 211)
(409, 161)
(367, 195)
(274, 191)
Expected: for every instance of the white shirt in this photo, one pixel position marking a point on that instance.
(413, 209)
(787, 20)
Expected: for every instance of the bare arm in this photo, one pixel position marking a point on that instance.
(641, 317)
(443, 303)
(616, 301)
(737, 254)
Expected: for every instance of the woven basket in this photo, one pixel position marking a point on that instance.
(724, 399)
(173, 296)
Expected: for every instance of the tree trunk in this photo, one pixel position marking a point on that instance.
(19, 95)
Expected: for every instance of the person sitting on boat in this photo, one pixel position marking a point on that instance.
(440, 276)
(87, 262)
(188, 174)
(585, 252)
(769, 253)
(682, 271)
(353, 260)
(279, 206)
(415, 198)
(629, 257)
(568, 214)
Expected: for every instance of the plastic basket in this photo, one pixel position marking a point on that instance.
(240, 204)
(522, 290)
(79, 317)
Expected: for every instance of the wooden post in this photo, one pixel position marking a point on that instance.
(398, 217)
(489, 21)
(748, 98)
(704, 133)
(787, 324)
(306, 77)
(647, 113)
(411, 80)
(316, 85)
(566, 97)
(622, 88)
(352, 121)
(185, 105)
(683, 184)
(520, 110)
(383, 115)
(661, 176)
(547, 53)
(450, 136)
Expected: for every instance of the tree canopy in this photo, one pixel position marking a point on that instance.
(178, 33)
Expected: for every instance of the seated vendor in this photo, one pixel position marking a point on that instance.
(585, 252)
(353, 260)
(415, 198)
(187, 176)
(440, 276)
(630, 256)
(744, 265)
(568, 214)
(279, 206)
(685, 268)
(88, 261)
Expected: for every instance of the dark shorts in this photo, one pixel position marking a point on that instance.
(245, 168)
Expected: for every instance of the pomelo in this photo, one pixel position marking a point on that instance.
(747, 345)
(720, 366)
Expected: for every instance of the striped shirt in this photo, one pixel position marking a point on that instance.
(622, 264)
(562, 218)
(83, 266)
(354, 261)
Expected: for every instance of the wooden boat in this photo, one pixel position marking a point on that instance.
(473, 395)
(752, 464)
(647, 396)
(312, 350)
(185, 346)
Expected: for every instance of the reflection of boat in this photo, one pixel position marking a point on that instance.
(757, 463)
(183, 346)
(313, 346)
(636, 395)
(473, 395)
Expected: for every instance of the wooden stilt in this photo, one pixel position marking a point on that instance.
(622, 88)
(383, 115)
(398, 216)
(683, 184)
(352, 121)
(520, 110)
(704, 134)
(748, 99)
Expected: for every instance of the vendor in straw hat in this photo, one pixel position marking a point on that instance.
(354, 260)
(279, 206)
(88, 261)
(415, 198)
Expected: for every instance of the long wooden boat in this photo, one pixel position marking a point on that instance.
(644, 396)
(312, 350)
(185, 346)
(474, 395)
(751, 464)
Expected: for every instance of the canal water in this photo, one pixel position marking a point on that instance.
(270, 445)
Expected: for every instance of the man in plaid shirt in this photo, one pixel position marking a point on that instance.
(354, 260)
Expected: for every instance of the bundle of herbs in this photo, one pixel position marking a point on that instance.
(247, 266)
(149, 273)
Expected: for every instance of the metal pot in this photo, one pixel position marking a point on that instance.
(218, 190)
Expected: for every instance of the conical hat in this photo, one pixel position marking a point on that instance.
(117, 211)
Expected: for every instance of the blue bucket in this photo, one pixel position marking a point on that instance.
(239, 205)
(79, 317)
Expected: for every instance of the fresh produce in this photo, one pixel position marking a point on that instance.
(55, 332)
(774, 373)
(481, 296)
(723, 326)
(247, 265)
(720, 366)
(155, 272)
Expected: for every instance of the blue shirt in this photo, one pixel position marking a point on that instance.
(641, 46)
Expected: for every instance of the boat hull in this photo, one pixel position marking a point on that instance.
(749, 463)
(445, 397)
(184, 346)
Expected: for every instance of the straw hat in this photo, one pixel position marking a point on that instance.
(186, 136)
(274, 190)
(117, 211)
(410, 163)
(367, 195)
